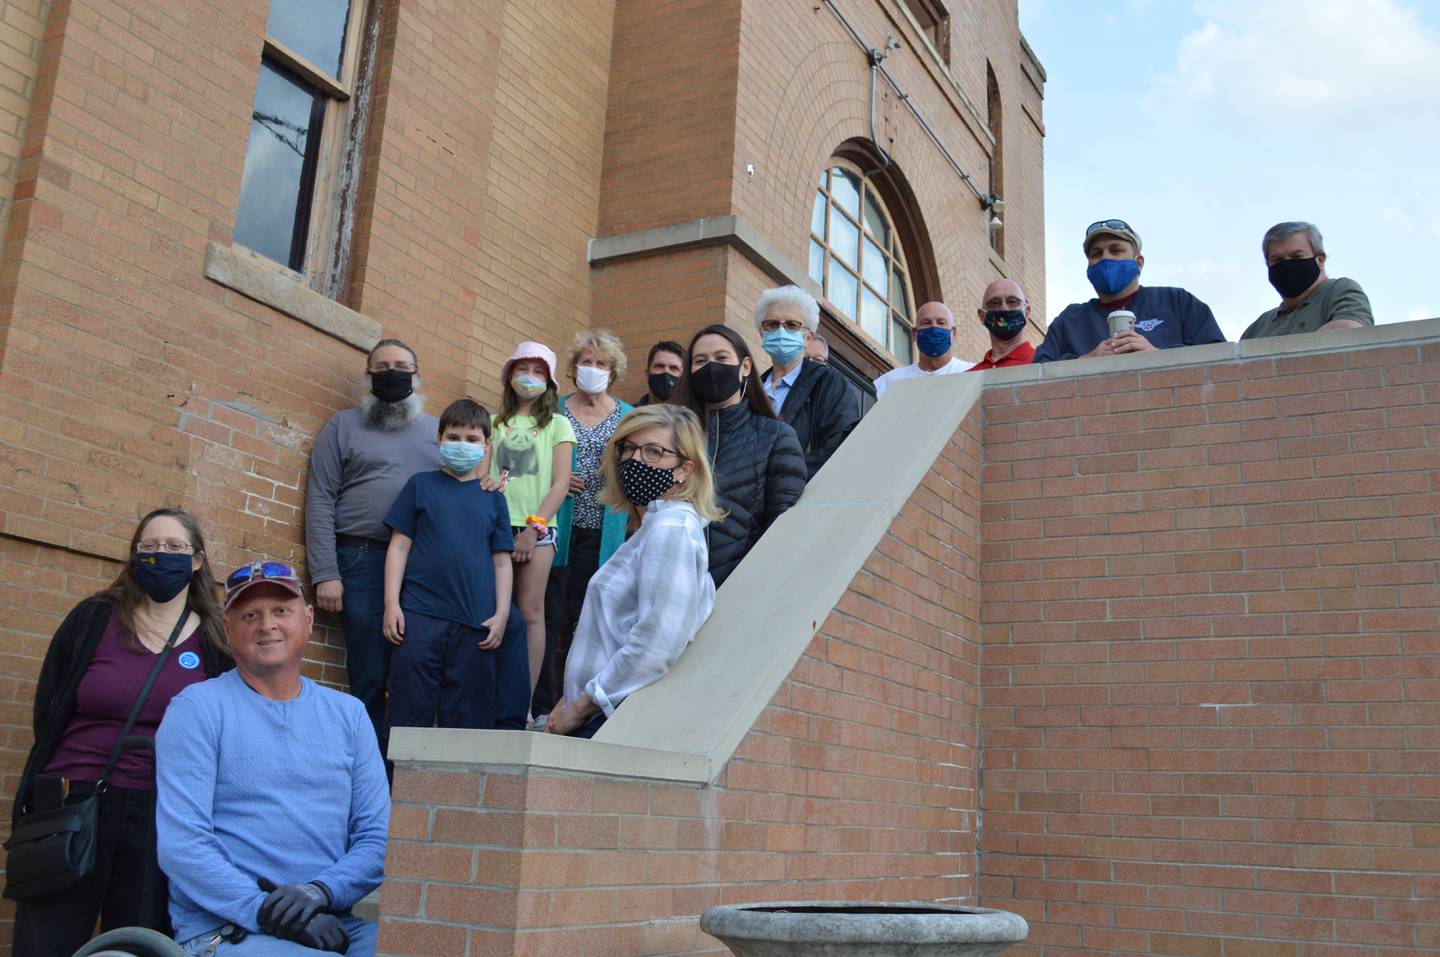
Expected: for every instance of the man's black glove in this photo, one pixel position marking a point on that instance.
(324, 932)
(289, 907)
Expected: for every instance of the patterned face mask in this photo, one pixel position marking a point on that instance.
(643, 484)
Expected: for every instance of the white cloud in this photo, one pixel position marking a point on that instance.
(1346, 64)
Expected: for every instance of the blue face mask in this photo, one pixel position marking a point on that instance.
(783, 346)
(934, 341)
(461, 457)
(1111, 276)
(162, 575)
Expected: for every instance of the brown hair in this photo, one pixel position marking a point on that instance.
(754, 391)
(126, 595)
(543, 407)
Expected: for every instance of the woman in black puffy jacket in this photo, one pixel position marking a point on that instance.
(759, 467)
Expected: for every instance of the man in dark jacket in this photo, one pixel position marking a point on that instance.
(1161, 317)
(813, 399)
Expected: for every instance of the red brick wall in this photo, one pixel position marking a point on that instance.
(1211, 715)
(858, 781)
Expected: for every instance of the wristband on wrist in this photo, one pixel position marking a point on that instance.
(537, 523)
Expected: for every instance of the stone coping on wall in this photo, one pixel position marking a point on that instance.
(685, 727)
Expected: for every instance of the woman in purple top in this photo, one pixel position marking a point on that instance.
(93, 672)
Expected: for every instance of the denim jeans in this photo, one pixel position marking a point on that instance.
(362, 944)
(367, 653)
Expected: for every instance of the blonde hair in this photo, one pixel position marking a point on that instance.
(606, 343)
(698, 489)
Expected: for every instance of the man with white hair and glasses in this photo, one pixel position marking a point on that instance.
(812, 398)
(1144, 318)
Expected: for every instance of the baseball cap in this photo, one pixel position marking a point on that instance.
(257, 573)
(1111, 227)
(530, 350)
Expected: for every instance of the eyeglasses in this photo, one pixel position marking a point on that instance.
(1009, 302)
(260, 571)
(174, 546)
(789, 325)
(650, 454)
(1107, 224)
(392, 367)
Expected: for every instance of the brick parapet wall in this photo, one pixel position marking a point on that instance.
(1211, 649)
(858, 781)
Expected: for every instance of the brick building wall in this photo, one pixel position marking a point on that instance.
(1204, 702)
(780, 88)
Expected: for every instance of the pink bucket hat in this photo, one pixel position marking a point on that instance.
(530, 350)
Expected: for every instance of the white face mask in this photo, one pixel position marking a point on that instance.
(592, 381)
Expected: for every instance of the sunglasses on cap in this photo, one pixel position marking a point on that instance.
(261, 571)
(1105, 224)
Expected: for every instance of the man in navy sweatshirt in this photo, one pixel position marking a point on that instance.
(1165, 317)
(271, 800)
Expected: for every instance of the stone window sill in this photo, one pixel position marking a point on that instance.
(277, 287)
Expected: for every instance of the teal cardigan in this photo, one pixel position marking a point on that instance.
(612, 530)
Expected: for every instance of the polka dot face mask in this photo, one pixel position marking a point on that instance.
(643, 484)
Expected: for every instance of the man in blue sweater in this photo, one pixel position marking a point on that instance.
(272, 804)
(1165, 317)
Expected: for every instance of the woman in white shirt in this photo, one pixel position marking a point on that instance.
(645, 604)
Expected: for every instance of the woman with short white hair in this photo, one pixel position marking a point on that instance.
(812, 398)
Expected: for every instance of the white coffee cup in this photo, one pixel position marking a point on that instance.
(1121, 320)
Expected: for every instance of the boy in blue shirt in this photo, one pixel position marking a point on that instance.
(447, 585)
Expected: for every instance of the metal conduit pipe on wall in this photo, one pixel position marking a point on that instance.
(875, 57)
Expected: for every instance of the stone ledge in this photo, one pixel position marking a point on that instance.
(735, 231)
(449, 747)
(271, 284)
(1311, 343)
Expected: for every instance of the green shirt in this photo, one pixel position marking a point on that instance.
(1334, 299)
(529, 454)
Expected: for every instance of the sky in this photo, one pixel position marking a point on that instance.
(1204, 122)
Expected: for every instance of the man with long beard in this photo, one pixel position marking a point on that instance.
(361, 459)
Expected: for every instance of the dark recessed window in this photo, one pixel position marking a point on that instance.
(275, 191)
(308, 71)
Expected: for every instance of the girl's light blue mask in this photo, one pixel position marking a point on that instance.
(461, 457)
(783, 346)
(1111, 276)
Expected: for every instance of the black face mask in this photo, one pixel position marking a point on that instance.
(642, 483)
(162, 575)
(662, 386)
(1005, 324)
(715, 382)
(392, 385)
(1291, 277)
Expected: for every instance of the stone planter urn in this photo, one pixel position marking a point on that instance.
(860, 929)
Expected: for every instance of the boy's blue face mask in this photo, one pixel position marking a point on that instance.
(461, 457)
(934, 341)
(1111, 276)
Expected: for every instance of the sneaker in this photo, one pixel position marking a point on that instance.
(539, 723)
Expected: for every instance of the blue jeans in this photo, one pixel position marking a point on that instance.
(367, 653)
(362, 944)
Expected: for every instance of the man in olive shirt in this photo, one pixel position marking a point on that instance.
(1309, 299)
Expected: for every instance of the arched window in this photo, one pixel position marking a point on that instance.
(857, 258)
(997, 159)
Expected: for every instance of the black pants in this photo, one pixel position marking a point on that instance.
(564, 597)
(126, 889)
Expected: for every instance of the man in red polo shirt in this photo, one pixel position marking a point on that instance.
(1004, 312)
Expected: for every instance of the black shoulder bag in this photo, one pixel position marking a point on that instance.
(53, 849)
